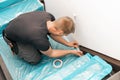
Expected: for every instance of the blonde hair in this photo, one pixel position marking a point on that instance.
(66, 24)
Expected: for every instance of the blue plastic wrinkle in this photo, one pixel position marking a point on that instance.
(6, 3)
(94, 69)
(50, 70)
(11, 12)
(77, 67)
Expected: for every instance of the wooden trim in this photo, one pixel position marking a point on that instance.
(4, 69)
(2, 76)
(114, 62)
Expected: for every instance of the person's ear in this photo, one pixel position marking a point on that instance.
(60, 32)
(56, 31)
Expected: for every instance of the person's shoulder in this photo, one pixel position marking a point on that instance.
(47, 14)
(39, 11)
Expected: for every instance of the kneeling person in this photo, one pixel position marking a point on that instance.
(28, 34)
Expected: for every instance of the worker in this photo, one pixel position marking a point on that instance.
(27, 35)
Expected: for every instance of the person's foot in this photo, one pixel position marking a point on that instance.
(13, 47)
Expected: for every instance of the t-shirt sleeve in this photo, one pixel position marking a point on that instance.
(52, 17)
(42, 45)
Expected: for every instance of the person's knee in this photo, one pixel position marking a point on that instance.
(28, 53)
(35, 61)
(32, 60)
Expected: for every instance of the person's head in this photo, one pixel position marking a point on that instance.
(62, 26)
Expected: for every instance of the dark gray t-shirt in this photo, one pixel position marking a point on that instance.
(30, 28)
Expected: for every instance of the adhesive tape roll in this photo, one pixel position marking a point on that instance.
(60, 63)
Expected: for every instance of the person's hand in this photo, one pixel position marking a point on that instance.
(73, 44)
(78, 53)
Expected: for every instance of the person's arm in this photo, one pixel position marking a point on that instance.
(63, 41)
(59, 39)
(58, 53)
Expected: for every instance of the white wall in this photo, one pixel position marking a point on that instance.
(97, 22)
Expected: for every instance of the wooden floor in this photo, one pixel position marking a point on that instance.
(2, 77)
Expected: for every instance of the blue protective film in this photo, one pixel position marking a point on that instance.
(87, 67)
(6, 3)
(11, 12)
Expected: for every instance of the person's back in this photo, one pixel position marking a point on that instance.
(29, 26)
